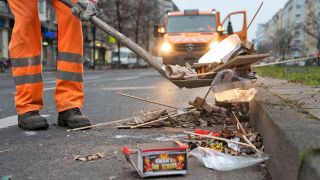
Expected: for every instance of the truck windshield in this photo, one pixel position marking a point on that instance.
(191, 23)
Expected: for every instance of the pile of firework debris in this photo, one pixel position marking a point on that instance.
(235, 145)
(221, 137)
(199, 113)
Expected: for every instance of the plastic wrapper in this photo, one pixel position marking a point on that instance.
(178, 72)
(223, 162)
(234, 146)
(231, 88)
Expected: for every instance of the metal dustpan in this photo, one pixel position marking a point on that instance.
(207, 78)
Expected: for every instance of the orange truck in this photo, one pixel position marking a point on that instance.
(188, 35)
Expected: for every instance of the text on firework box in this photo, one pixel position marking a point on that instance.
(165, 158)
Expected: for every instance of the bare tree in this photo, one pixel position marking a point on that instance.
(312, 24)
(263, 48)
(147, 15)
(118, 14)
(281, 44)
(133, 18)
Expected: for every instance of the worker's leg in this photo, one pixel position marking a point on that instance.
(25, 50)
(69, 88)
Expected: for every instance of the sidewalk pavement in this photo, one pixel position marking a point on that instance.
(288, 117)
(304, 97)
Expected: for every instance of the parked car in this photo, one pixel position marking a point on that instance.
(127, 58)
(88, 63)
(142, 63)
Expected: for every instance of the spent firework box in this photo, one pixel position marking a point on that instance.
(160, 159)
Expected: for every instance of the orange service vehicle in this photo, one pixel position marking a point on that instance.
(188, 35)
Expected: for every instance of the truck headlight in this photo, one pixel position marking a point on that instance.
(166, 47)
(213, 44)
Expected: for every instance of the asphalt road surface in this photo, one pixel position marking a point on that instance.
(50, 154)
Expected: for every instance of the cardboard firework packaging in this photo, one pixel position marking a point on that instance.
(159, 159)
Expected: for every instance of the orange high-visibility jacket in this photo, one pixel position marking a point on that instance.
(25, 54)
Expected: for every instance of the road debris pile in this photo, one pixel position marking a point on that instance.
(231, 142)
(234, 146)
(200, 113)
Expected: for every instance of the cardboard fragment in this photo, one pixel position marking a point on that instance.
(89, 157)
(200, 103)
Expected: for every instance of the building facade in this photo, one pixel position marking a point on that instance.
(285, 36)
(49, 34)
(260, 34)
(165, 7)
(6, 24)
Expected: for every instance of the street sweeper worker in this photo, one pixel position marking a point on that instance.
(25, 55)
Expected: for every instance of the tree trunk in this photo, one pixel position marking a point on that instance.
(137, 37)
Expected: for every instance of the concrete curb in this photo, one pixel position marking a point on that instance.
(292, 139)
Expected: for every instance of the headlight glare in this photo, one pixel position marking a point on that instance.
(213, 44)
(166, 47)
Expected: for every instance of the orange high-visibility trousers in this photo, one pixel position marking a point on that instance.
(25, 54)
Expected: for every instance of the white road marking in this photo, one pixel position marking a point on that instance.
(48, 89)
(30, 133)
(50, 82)
(11, 121)
(128, 88)
(85, 79)
(127, 78)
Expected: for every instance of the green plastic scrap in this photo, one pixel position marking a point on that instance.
(6, 177)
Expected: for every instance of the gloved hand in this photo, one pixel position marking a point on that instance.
(90, 9)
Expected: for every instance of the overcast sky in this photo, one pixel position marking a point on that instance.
(269, 8)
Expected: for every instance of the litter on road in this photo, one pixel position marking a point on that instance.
(6, 177)
(235, 146)
(6, 150)
(224, 162)
(158, 159)
(89, 157)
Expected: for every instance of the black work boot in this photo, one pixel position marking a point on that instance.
(73, 118)
(32, 121)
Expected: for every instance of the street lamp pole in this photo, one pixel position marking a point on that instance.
(94, 47)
